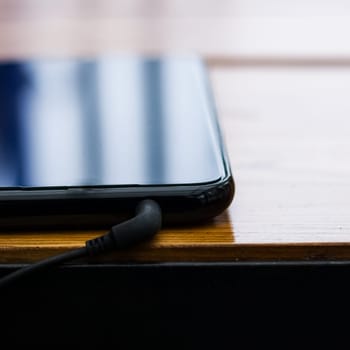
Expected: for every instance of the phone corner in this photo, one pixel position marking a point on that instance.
(215, 198)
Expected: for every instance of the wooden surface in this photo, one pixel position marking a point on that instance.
(281, 79)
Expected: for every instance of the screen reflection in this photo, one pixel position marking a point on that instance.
(106, 121)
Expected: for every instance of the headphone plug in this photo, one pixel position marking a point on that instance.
(144, 225)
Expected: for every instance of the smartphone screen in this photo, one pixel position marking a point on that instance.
(107, 121)
(83, 140)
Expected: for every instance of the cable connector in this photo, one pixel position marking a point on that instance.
(144, 225)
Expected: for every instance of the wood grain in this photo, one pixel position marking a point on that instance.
(281, 88)
(287, 134)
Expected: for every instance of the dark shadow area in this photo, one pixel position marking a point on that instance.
(177, 305)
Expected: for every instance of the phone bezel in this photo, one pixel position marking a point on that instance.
(102, 208)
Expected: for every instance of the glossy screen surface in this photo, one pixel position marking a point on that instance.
(107, 121)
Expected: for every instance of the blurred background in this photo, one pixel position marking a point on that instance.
(220, 30)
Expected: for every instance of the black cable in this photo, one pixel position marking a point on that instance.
(144, 225)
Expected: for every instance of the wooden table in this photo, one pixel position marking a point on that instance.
(281, 82)
(280, 72)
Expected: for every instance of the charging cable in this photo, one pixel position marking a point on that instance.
(144, 225)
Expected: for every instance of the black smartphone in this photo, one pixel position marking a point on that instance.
(83, 140)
